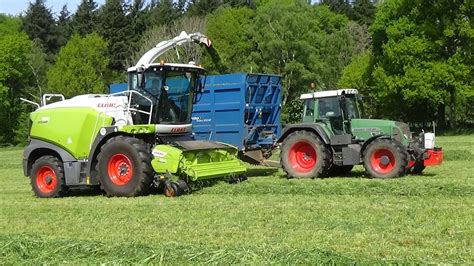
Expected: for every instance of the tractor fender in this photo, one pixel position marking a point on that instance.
(37, 148)
(311, 127)
(370, 140)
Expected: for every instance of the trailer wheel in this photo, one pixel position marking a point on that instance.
(385, 158)
(338, 170)
(47, 177)
(303, 155)
(124, 167)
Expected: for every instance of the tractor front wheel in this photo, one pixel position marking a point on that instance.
(303, 155)
(385, 158)
(124, 167)
(47, 177)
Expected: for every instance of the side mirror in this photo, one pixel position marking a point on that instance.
(140, 77)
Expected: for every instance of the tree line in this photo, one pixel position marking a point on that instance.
(413, 58)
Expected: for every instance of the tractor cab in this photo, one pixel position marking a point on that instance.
(336, 108)
(165, 93)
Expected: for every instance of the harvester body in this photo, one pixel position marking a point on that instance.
(126, 141)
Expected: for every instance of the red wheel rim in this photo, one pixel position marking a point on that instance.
(46, 179)
(379, 162)
(302, 157)
(120, 169)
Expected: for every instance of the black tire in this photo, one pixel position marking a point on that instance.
(338, 170)
(385, 158)
(47, 177)
(171, 189)
(124, 167)
(303, 155)
(417, 168)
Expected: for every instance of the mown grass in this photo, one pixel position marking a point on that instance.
(268, 219)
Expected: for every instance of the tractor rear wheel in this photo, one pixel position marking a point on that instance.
(47, 177)
(303, 155)
(124, 167)
(385, 158)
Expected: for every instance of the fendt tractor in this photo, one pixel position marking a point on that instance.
(127, 142)
(333, 137)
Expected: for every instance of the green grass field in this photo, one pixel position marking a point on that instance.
(267, 219)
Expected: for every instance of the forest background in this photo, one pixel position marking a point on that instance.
(413, 58)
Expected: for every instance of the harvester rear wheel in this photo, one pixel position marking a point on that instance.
(124, 167)
(303, 155)
(385, 158)
(47, 177)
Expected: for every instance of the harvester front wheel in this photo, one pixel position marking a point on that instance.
(385, 158)
(303, 155)
(47, 177)
(124, 167)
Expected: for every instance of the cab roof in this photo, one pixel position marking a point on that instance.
(322, 94)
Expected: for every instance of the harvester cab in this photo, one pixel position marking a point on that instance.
(127, 142)
(334, 136)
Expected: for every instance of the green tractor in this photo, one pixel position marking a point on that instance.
(333, 137)
(126, 143)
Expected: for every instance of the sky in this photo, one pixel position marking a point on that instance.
(15, 7)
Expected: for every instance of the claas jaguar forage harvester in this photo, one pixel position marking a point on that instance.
(126, 142)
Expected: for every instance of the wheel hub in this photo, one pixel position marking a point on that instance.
(384, 160)
(302, 157)
(48, 180)
(120, 169)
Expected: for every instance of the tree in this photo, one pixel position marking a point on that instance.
(363, 11)
(64, 26)
(183, 54)
(202, 7)
(85, 19)
(137, 17)
(423, 59)
(163, 12)
(229, 29)
(14, 79)
(9, 25)
(115, 29)
(39, 24)
(80, 67)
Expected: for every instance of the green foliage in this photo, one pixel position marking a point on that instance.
(15, 77)
(202, 7)
(422, 59)
(9, 25)
(39, 24)
(268, 219)
(80, 67)
(229, 29)
(115, 29)
(64, 26)
(85, 19)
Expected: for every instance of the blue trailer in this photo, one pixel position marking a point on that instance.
(240, 109)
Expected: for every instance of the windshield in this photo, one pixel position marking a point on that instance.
(171, 93)
(352, 108)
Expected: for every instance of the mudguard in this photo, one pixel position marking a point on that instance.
(312, 127)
